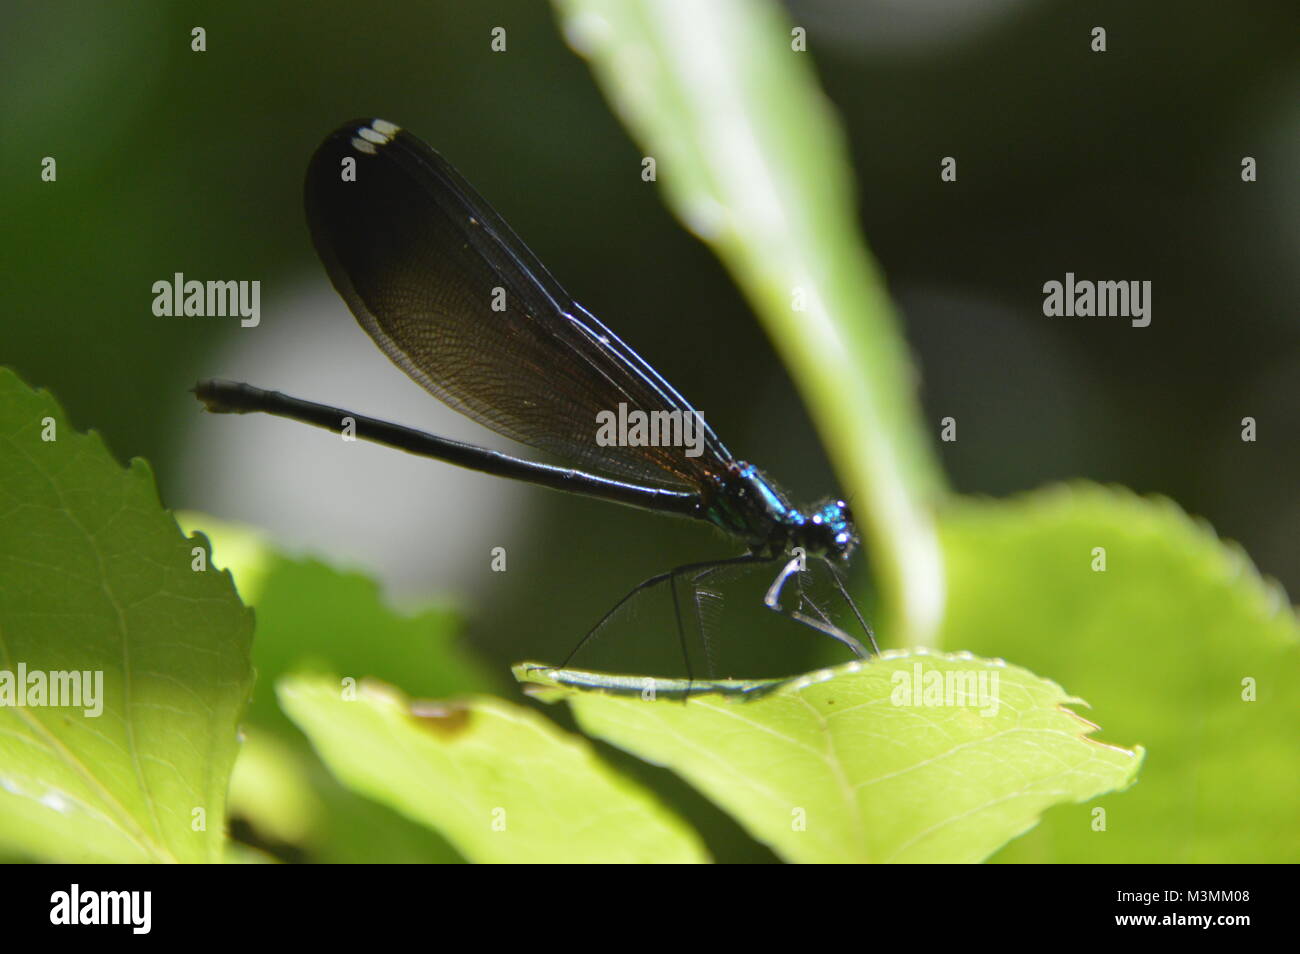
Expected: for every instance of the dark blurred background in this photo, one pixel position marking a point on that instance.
(1122, 165)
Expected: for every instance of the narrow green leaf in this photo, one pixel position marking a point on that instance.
(95, 577)
(853, 764)
(752, 161)
(500, 782)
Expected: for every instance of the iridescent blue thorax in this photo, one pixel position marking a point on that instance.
(748, 505)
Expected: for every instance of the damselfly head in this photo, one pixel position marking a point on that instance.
(828, 530)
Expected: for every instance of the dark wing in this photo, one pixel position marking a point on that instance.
(417, 254)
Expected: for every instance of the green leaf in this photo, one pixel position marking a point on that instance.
(296, 810)
(312, 617)
(271, 789)
(97, 577)
(846, 765)
(500, 782)
(1164, 641)
(752, 161)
